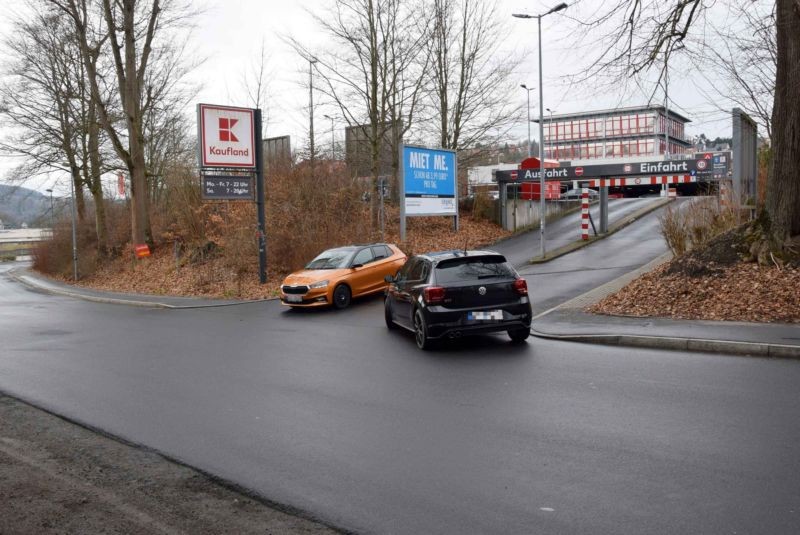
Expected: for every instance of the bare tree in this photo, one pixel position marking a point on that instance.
(645, 31)
(136, 33)
(471, 94)
(256, 85)
(739, 62)
(49, 102)
(375, 76)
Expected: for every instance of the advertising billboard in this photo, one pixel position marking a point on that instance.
(428, 181)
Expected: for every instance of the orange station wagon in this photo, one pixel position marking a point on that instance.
(337, 275)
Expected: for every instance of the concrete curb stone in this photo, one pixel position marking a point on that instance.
(684, 344)
(33, 282)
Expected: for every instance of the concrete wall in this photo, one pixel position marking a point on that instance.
(521, 213)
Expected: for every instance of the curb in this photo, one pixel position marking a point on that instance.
(731, 347)
(686, 344)
(31, 282)
(613, 228)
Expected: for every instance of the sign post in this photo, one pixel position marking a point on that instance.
(229, 138)
(262, 230)
(428, 184)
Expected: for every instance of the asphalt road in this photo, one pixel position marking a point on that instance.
(571, 275)
(331, 413)
(522, 247)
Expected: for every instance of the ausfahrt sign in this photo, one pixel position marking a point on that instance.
(226, 136)
(699, 167)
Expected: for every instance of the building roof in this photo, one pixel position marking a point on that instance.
(614, 111)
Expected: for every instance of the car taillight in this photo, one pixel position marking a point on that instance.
(521, 286)
(433, 295)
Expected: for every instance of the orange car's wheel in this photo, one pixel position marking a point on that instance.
(341, 296)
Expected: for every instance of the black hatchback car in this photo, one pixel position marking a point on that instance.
(455, 293)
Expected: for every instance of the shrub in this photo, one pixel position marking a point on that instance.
(692, 224)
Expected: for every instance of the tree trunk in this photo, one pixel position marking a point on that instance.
(783, 185)
(80, 203)
(95, 180)
(140, 220)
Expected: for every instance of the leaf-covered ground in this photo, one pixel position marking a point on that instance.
(711, 284)
(162, 274)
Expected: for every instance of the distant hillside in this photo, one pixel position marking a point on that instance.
(22, 205)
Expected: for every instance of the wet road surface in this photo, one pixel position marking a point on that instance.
(331, 413)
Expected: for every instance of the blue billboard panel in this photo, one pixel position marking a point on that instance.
(429, 181)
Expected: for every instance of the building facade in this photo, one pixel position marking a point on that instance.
(615, 133)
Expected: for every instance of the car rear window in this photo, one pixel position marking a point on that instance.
(473, 268)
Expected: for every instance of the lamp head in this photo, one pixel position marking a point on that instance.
(559, 7)
(521, 16)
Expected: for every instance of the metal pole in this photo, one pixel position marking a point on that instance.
(260, 198)
(74, 234)
(402, 193)
(603, 209)
(542, 248)
(333, 141)
(311, 108)
(666, 106)
(529, 120)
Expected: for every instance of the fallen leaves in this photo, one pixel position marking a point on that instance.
(740, 291)
(217, 278)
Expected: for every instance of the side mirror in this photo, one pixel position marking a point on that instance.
(389, 279)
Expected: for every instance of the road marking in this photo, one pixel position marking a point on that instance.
(547, 509)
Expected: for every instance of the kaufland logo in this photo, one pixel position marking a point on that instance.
(227, 136)
(226, 125)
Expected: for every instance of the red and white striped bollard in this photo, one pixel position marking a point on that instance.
(585, 213)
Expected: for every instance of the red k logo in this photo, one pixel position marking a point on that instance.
(225, 129)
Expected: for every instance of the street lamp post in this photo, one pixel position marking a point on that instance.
(550, 134)
(528, 90)
(74, 234)
(333, 139)
(559, 7)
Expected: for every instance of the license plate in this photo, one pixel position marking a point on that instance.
(294, 298)
(486, 315)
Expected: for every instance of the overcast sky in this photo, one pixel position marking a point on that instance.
(229, 34)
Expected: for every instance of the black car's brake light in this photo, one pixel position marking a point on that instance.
(521, 286)
(433, 295)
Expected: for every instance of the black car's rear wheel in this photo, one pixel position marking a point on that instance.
(387, 313)
(519, 335)
(421, 331)
(341, 296)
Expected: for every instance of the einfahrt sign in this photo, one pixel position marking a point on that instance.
(226, 136)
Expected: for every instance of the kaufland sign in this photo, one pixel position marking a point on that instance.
(226, 136)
